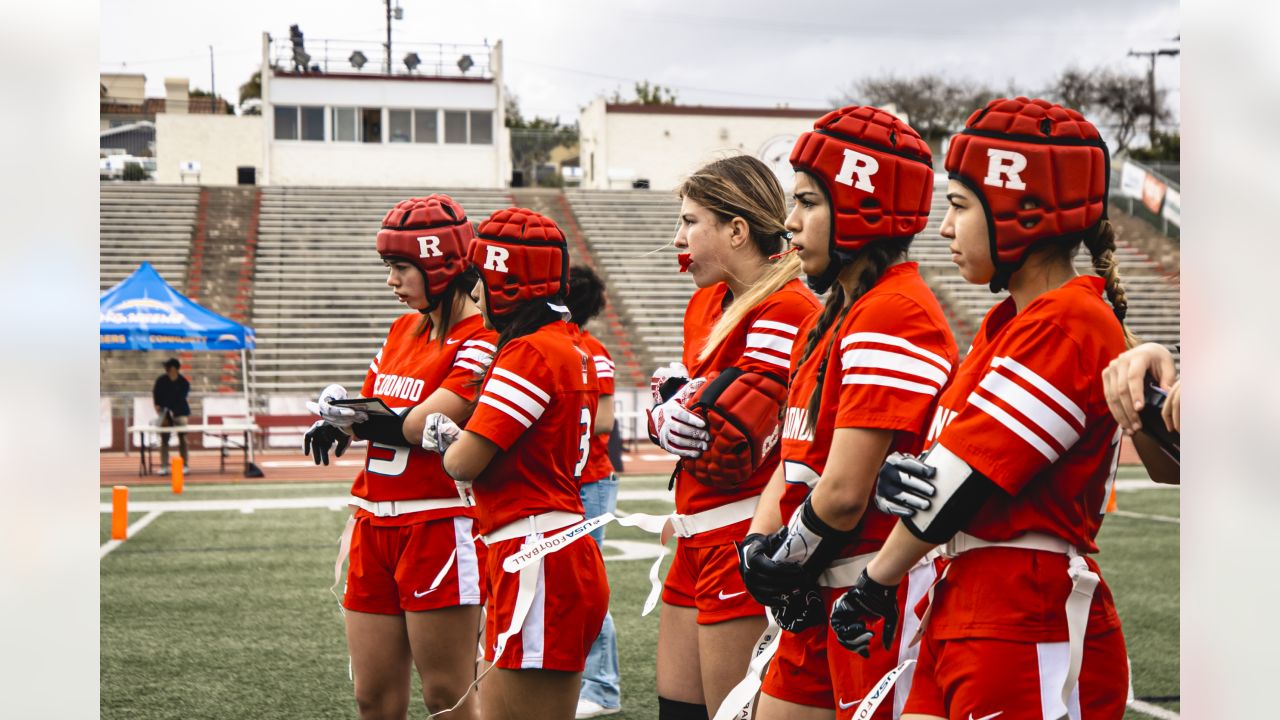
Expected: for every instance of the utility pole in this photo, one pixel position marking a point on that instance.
(1151, 56)
(388, 4)
(213, 86)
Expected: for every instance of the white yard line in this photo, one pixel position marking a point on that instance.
(301, 503)
(142, 522)
(1144, 516)
(1143, 484)
(1154, 711)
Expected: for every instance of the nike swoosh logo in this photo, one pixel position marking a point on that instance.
(731, 595)
(845, 706)
(986, 717)
(452, 342)
(421, 594)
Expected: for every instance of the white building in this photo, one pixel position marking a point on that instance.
(622, 144)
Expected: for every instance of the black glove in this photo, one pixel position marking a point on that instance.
(854, 612)
(320, 438)
(770, 582)
(903, 486)
(801, 610)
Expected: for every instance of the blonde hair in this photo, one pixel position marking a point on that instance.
(742, 186)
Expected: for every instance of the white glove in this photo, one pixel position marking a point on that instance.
(336, 415)
(661, 375)
(439, 433)
(677, 430)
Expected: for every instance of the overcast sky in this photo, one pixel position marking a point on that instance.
(562, 53)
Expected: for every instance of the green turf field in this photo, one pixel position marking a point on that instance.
(228, 614)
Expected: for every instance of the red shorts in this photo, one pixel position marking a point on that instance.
(390, 569)
(798, 672)
(1019, 680)
(853, 677)
(707, 578)
(568, 609)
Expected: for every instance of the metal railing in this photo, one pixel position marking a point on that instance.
(363, 57)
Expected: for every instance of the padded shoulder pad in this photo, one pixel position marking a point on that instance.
(743, 411)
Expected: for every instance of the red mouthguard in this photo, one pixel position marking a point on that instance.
(685, 261)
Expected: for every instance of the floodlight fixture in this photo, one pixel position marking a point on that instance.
(357, 59)
(465, 63)
(412, 61)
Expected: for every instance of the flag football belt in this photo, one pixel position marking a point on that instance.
(687, 526)
(844, 572)
(531, 525)
(392, 508)
(1083, 584)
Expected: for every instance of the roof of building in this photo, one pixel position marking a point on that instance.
(779, 112)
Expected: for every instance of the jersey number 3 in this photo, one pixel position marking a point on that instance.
(584, 444)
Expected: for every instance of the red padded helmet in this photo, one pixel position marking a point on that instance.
(1040, 170)
(521, 256)
(431, 232)
(877, 173)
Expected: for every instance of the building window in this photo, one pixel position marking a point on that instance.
(481, 127)
(455, 126)
(286, 122)
(371, 125)
(400, 126)
(344, 124)
(313, 123)
(425, 126)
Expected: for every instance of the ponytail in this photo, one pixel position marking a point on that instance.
(1102, 248)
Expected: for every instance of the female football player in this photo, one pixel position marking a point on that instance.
(738, 331)
(864, 383)
(520, 457)
(409, 523)
(1023, 449)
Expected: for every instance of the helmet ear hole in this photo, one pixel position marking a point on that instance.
(1046, 126)
(869, 202)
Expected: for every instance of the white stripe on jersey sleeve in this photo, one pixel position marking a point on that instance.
(771, 342)
(896, 341)
(771, 325)
(506, 409)
(1018, 428)
(475, 355)
(889, 360)
(769, 358)
(468, 365)
(481, 344)
(515, 395)
(1030, 407)
(1041, 384)
(522, 382)
(888, 381)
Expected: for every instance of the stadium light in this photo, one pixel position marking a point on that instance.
(412, 61)
(465, 63)
(357, 59)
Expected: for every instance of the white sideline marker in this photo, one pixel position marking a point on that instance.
(142, 522)
(1154, 711)
(1144, 516)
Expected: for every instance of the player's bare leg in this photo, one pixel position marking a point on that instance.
(529, 694)
(724, 651)
(679, 677)
(771, 708)
(380, 662)
(444, 649)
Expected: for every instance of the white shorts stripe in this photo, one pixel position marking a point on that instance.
(506, 409)
(470, 366)
(889, 360)
(1053, 659)
(1031, 407)
(886, 381)
(480, 343)
(521, 398)
(1041, 384)
(500, 372)
(771, 342)
(772, 325)
(767, 357)
(467, 560)
(533, 632)
(1018, 428)
(896, 341)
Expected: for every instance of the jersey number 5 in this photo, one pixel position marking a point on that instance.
(584, 444)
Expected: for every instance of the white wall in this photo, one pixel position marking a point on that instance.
(665, 148)
(383, 92)
(220, 143)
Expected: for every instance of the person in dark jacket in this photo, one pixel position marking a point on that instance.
(169, 394)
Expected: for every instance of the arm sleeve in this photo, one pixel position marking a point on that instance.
(473, 357)
(773, 331)
(155, 393)
(1028, 409)
(892, 363)
(604, 369)
(516, 393)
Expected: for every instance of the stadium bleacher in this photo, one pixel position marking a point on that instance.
(321, 308)
(146, 222)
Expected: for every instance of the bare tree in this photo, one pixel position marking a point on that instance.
(1114, 99)
(936, 106)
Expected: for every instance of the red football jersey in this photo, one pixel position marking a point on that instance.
(762, 343)
(407, 369)
(893, 356)
(598, 464)
(1027, 410)
(538, 405)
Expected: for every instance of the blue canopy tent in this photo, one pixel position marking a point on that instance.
(143, 312)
